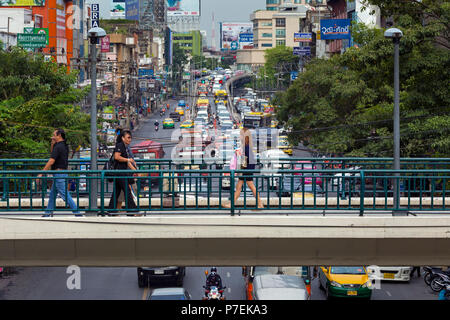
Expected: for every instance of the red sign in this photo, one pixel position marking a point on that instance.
(105, 44)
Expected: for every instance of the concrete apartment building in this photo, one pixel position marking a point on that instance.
(272, 28)
(276, 26)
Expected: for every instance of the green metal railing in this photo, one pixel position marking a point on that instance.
(210, 190)
(14, 165)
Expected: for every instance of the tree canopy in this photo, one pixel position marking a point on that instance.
(36, 97)
(345, 104)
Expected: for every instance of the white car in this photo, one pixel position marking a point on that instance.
(274, 159)
(169, 294)
(337, 178)
(389, 273)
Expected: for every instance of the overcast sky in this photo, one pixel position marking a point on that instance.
(227, 11)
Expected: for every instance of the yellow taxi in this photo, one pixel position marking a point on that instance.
(274, 124)
(187, 124)
(345, 282)
(204, 102)
(285, 146)
(180, 111)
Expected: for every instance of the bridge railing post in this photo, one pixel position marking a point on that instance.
(102, 193)
(232, 192)
(362, 193)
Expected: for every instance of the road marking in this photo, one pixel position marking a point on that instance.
(389, 294)
(228, 275)
(145, 294)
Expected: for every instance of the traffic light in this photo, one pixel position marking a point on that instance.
(203, 81)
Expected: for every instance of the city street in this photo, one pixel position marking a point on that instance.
(121, 284)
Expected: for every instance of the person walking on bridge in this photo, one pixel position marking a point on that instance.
(59, 160)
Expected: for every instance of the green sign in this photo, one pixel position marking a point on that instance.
(31, 40)
(42, 31)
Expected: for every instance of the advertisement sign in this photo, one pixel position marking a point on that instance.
(132, 10)
(142, 73)
(117, 9)
(335, 29)
(303, 37)
(183, 8)
(105, 41)
(25, 3)
(230, 37)
(246, 37)
(302, 51)
(95, 14)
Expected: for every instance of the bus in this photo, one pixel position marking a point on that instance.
(250, 272)
(257, 119)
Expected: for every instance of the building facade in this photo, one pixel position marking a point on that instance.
(190, 42)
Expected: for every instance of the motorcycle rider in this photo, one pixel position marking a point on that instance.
(156, 124)
(213, 280)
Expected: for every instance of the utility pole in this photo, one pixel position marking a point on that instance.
(94, 34)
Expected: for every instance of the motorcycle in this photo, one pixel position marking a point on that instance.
(439, 282)
(156, 128)
(213, 293)
(429, 273)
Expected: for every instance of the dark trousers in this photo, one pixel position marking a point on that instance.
(122, 185)
(415, 269)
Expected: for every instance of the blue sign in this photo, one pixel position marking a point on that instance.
(234, 45)
(246, 37)
(335, 29)
(302, 51)
(145, 73)
(132, 10)
(294, 75)
(95, 14)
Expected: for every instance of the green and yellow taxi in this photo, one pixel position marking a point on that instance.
(168, 123)
(274, 124)
(187, 124)
(345, 282)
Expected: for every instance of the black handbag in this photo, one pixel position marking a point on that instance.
(109, 166)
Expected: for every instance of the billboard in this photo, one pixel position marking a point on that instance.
(236, 35)
(25, 3)
(183, 8)
(132, 10)
(117, 9)
(334, 29)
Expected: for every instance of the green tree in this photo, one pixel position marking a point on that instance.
(35, 98)
(345, 104)
(280, 61)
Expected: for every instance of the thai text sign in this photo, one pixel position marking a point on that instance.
(26, 40)
(334, 29)
(303, 37)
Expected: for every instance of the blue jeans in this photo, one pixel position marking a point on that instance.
(60, 187)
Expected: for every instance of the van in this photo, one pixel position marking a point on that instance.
(279, 287)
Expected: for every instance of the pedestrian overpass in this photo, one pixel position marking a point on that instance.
(340, 213)
(246, 239)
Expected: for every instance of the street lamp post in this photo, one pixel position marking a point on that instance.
(94, 35)
(396, 34)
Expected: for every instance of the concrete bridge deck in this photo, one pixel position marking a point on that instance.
(198, 240)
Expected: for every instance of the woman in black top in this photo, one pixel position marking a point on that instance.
(123, 162)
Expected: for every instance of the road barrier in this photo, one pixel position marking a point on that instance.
(205, 190)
